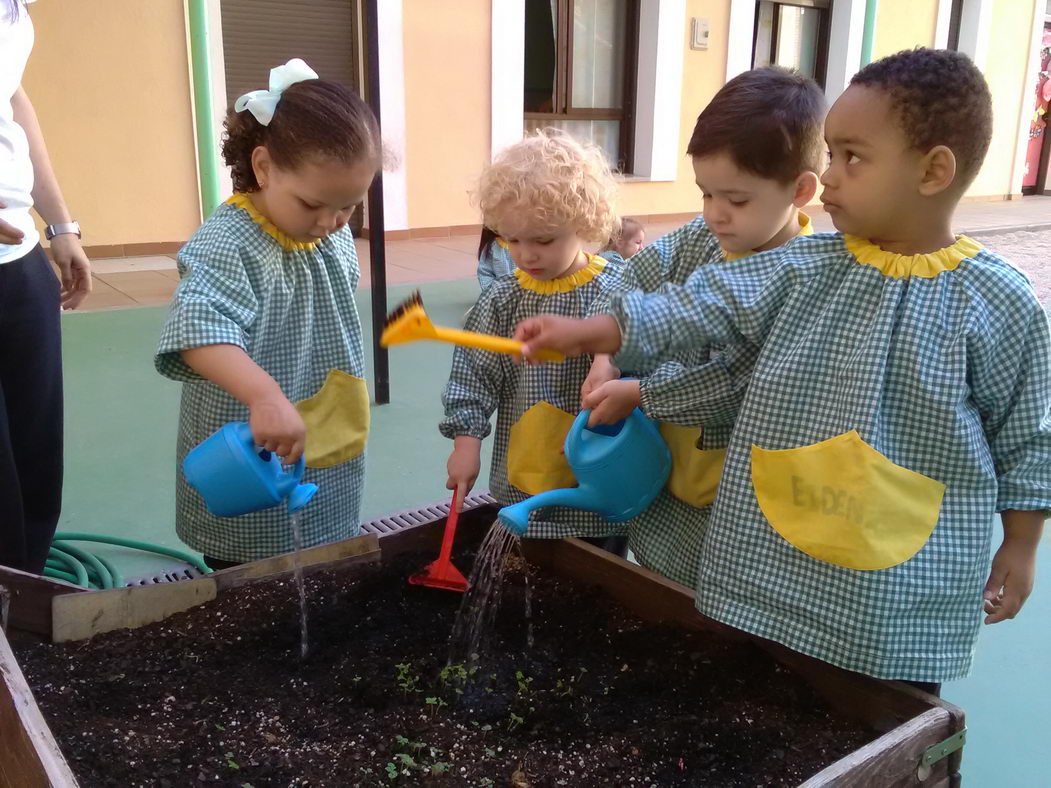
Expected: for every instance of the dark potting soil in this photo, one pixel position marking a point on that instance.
(219, 694)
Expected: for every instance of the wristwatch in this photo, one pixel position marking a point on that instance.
(59, 229)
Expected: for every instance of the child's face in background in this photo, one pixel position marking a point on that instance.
(628, 245)
(871, 184)
(744, 211)
(315, 199)
(544, 253)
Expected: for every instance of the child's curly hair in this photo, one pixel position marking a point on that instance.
(313, 118)
(940, 98)
(554, 180)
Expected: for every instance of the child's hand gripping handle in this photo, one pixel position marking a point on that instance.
(493, 343)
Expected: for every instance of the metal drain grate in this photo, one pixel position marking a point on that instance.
(409, 518)
(171, 574)
(388, 523)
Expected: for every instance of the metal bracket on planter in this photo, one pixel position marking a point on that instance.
(939, 751)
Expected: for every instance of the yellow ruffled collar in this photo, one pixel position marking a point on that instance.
(806, 227)
(565, 284)
(901, 266)
(244, 202)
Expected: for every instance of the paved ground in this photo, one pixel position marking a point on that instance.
(123, 282)
(1030, 251)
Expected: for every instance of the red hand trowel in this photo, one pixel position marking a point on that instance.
(442, 573)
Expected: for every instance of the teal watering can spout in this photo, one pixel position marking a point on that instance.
(620, 469)
(516, 516)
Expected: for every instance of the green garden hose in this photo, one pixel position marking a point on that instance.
(72, 565)
(75, 565)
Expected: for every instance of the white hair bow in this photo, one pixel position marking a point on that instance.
(262, 103)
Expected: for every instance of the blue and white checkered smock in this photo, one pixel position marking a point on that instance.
(291, 308)
(941, 363)
(494, 262)
(482, 382)
(690, 388)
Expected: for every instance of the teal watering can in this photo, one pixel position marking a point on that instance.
(234, 476)
(620, 468)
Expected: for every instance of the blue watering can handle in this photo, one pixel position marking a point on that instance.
(573, 437)
(244, 433)
(299, 467)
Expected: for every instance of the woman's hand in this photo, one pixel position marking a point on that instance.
(9, 234)
(71, 260)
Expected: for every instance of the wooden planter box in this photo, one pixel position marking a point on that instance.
(917, 736)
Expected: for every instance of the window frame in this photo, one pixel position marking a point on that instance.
(563, 87)
(823, 34)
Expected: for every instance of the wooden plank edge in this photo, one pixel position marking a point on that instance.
(358, 548)
(31, 596)
(82, 616)
(893, 759)
(32, 731)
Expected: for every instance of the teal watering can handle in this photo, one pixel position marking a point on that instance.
(244, 433)
(573, 437)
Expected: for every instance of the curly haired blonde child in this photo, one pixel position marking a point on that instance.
(546, 196)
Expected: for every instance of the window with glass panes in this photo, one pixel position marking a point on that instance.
(793, 34)
(580, 64)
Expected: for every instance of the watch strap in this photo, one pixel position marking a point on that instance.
(62, 228)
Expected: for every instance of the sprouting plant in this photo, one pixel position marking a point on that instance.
(406, 679)
(485, 782)
(523, 682)
(406, 760)
(435, 704)
(438, 768)
(405, 742)
(453, 673)
(392, 771)
(514, 722)
(230, 762)
(455, 676)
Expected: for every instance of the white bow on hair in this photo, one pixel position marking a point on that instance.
(262, 103)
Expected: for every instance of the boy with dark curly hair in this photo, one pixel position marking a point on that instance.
(901, 398)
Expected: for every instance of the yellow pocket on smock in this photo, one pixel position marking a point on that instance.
(843, 502)
(695, 472)
(337, 420)
(535, 461)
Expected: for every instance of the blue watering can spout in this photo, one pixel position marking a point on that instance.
(300, 496)
(516, 517)
(620, 469)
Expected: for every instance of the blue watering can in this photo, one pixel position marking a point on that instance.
(620, 469)
(234, 476)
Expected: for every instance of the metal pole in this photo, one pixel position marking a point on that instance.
(377, 243)
(202, 107)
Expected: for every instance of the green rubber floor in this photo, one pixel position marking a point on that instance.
(120, 468)
(121, 420)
